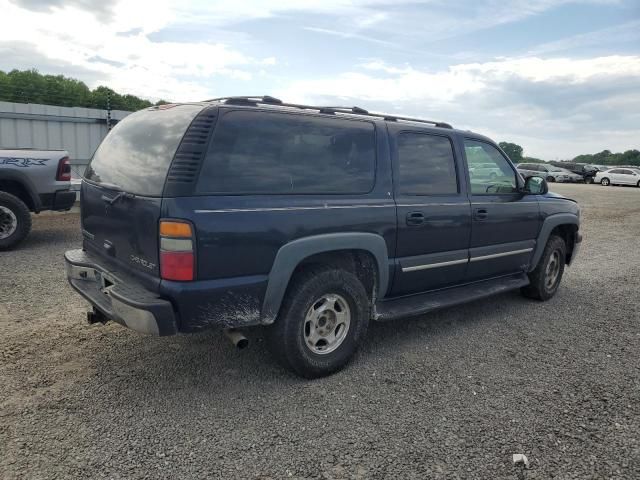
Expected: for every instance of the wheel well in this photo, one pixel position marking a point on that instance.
(359, 262)
(17, 190)
(567, 233)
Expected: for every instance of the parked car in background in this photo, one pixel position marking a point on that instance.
(548, 172)
(619, 176)
(583, 172)
(31, 181)
(572, 177)
(309, 221)
(483, 170)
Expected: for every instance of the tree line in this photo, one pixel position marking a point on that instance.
(605, 157)
(30, 86)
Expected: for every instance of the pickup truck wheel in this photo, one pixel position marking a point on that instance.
(323, 319)
(545, 278)
(15, 221)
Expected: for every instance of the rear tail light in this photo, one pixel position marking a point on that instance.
(177, 259)
(64, 170)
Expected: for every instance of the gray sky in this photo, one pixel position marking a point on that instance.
(558, 77)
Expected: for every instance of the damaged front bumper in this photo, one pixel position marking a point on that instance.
(118, 296)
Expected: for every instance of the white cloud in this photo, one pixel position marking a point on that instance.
(534, 100)
(552, 105)
(403, 84)
(129, 63)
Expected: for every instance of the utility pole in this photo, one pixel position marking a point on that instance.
(108, 110)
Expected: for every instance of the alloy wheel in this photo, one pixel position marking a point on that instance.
(326, 324)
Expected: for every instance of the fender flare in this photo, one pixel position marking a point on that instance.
(25, 182)
(291, 254)
(549, 224)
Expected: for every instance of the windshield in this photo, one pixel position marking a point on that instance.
(135, 156)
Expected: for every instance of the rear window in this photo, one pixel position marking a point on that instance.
(137, 153)
(275, 153)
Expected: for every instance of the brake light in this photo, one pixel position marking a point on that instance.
(177, 259)
(64, 170)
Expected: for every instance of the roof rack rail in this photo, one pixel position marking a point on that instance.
(269, 100)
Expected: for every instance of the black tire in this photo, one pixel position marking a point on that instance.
(286, 337)
(541, 287)
(638, 184)
(15, 221)
(605, 182)
(551, 179)
(588, 180)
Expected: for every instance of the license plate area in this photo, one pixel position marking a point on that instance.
(105, 281)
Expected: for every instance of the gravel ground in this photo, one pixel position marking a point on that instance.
(450, 395)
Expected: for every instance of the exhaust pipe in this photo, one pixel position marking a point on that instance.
(96, 316)
(236, 337)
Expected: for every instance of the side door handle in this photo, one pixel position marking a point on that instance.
(415, 218)
(480, 214)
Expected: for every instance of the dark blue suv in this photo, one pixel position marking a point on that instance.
(309, 221)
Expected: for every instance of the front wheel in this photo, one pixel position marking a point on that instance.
(15, 221)
(588, 180)
(605, 182)
(545, 278)
(323, 319)
(551, 179)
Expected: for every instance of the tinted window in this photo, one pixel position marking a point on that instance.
(524, 166)
(137, 153)
(501, 177)
(426, 165)
(260, 152)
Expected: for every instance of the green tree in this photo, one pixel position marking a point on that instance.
(30, 86)
(513, 150)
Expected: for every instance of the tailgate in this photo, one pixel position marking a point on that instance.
(125, 230)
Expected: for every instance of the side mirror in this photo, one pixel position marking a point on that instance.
(536, 186)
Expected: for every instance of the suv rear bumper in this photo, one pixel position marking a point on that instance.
(119, 297)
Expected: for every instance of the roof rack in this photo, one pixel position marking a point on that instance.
(268, 100)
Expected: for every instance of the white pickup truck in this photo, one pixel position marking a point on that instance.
(31, 181)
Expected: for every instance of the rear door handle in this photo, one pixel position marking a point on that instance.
(480, 214)
(415, 218)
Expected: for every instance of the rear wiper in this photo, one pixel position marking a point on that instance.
(115, 188)
(120, 195)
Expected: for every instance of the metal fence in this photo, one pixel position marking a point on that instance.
(75, 129)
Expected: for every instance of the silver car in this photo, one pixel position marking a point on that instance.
(548, 172)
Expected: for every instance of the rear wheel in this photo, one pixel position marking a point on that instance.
(15, 221)
(323, 319)
(551, 179)
(545, 278)
(588, 180)
(605, 181)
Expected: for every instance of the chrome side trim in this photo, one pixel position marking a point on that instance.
(286, 209)
(434, 265)
(498, 255)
